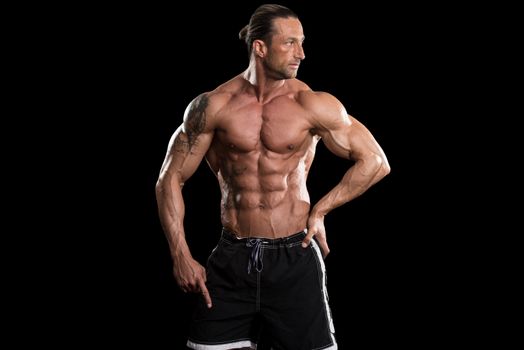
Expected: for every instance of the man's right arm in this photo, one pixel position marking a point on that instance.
(187, 148)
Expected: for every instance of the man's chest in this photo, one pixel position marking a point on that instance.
(281, 126)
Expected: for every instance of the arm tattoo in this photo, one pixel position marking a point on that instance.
(195, 123)
(196, 119)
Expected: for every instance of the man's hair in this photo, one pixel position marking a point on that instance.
(261, 24)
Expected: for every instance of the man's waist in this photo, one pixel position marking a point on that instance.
(232, 237)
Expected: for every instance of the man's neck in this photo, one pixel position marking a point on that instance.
(263, 85)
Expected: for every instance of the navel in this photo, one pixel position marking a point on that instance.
(290, 147)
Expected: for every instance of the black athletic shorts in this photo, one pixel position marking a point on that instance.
(272, 288)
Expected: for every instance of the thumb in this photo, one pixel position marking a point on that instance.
(307, 239)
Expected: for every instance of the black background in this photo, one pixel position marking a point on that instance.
(394, 272)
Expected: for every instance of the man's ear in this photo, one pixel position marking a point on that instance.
(259, 48)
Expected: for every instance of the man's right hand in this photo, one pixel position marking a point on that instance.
(191, 277)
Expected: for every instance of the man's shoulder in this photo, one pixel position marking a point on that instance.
(230, 87)
(321, 105)
(215, 99)
(222, 94)
(304, 93)
(316, 99)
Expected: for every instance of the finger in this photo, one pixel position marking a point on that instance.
(183, 287)
(192, 288)
(325, 248)
(307, 239)
(322, 242)
(205, 294)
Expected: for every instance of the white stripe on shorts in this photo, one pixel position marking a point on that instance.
(226, 346)
(324, 293)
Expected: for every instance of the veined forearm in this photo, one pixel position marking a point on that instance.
(361, 176)
(171, 211)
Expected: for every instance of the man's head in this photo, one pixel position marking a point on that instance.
(274, 34)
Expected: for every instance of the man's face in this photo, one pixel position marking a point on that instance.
(285, 52)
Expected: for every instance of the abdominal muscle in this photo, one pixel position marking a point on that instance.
(267, 199)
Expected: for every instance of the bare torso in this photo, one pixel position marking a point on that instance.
(261, 153)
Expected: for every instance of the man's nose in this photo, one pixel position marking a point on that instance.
(299, 52)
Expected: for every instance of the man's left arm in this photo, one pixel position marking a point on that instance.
(346, 137)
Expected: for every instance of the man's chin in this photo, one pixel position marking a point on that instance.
(288, 75)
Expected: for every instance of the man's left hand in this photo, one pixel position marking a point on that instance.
(315, 227)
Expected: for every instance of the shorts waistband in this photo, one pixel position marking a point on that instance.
(283, 241)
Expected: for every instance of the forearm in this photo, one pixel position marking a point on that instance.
(171, 211)
(189, 274)
(361, 176)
